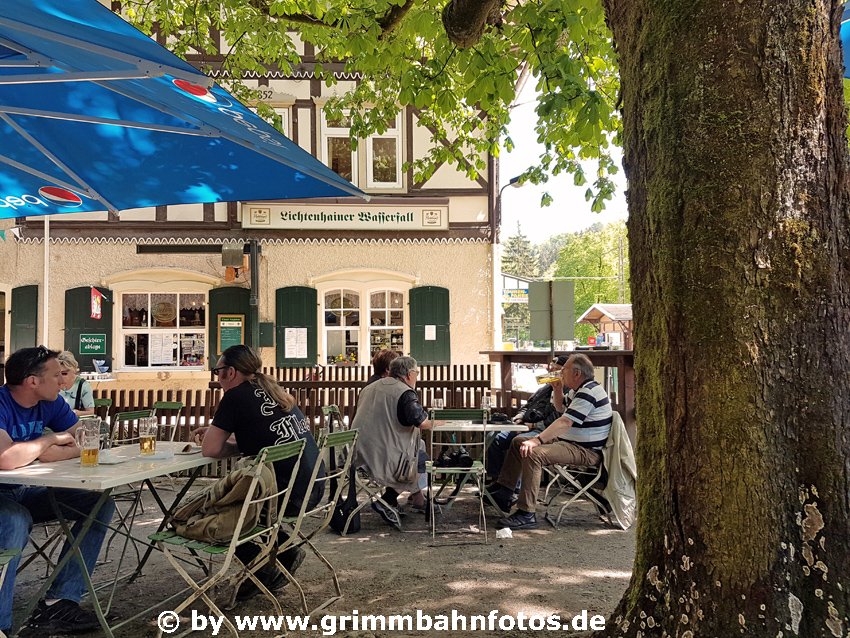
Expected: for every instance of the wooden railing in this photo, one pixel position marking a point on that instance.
(460, 386)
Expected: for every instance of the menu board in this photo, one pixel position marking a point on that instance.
(231, 331)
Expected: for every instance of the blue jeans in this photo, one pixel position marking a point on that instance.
(22, 506)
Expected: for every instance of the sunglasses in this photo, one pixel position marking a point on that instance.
(40, 355)
(217, 371)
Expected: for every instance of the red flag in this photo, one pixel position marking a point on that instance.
(96, 304)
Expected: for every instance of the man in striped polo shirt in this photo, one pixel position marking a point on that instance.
(576, 438)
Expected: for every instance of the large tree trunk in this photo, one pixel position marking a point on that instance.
(737, 166)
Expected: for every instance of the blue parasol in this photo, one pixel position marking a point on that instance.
(94, 115)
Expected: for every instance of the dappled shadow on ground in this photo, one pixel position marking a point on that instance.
(581, 566)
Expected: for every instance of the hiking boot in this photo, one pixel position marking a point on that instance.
(272, 578)
(503, 498)
(62, 617)
(389, 516)
(292, 559)
(518, 520)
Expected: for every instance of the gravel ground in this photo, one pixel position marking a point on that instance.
(548, 572)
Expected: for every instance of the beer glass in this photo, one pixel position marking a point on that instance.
(87, 438)
(147, 436)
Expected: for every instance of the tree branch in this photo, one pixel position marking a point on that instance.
(394, 16)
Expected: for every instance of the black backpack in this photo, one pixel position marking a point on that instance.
(346, 504)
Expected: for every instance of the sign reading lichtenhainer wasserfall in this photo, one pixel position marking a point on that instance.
(386, 217)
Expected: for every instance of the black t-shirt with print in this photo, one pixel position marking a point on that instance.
(258, 421)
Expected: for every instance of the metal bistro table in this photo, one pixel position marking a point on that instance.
(104, 478)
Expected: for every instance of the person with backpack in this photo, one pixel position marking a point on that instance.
(255, 412)
(73, 388)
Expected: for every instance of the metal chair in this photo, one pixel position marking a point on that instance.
(101, 408)
(338, 446)
(574, 482)
(168, 415)
(124, 430)
(461, 475)
(333, 418)
(6, 556)
(264, 534)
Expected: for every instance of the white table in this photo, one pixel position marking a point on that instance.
(486, 428)
(136, 468)
(104, 478)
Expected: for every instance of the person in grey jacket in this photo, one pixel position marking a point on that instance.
(389, 448)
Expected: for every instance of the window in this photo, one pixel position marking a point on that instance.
(361, 312)
(336, 147)
(163, 330)
(383, 157)
(342, 326)
(386, 321)
(283, 111)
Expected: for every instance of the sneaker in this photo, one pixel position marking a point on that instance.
(389, 516)
(63, 617)
(518, 520)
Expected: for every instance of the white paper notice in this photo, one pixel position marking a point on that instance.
(295, 343)
(289, 342)
(162, 349)
(300, 343)
(430, 332)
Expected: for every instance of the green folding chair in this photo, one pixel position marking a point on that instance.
(460, 475)
(223, 554)
(6, 556)
(168, 415)
(335, 445)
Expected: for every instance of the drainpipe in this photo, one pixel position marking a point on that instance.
(254, 298)
(45, 314)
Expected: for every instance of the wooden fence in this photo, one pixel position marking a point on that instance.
(458, 386)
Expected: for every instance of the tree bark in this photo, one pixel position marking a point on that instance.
(736, 161)
(465, 20)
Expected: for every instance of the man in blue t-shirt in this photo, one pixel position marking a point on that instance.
(30, 403)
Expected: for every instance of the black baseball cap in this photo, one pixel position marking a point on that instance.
(561, 361)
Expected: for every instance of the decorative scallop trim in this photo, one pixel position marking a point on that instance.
(185, 241)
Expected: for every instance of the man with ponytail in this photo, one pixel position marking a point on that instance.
(255, 412)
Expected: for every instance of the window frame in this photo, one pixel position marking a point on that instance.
(365, 283)
(328, 132)
(393, 133)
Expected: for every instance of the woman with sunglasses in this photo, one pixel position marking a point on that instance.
(255, 412)
(73, 388)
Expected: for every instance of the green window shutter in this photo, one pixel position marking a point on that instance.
(24, 318)
(429, 306)
(229, 300)
(78, 321)
(296, 307)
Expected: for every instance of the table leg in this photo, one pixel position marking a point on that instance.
(167, 513)
(73, 553)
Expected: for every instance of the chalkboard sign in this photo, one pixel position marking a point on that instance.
(231, 331)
